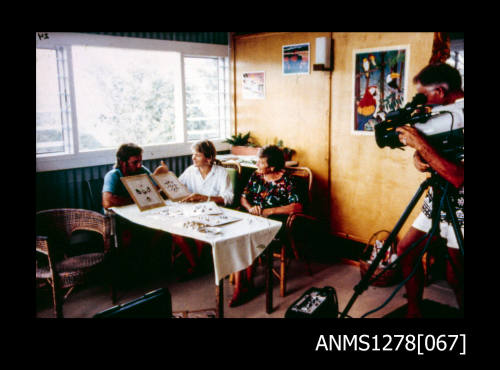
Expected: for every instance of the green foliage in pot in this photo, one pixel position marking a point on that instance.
(288, 152)
(240, 140)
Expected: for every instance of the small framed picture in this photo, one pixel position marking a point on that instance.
(254, 85)
(295, 59)
(143, 192)
(171, 186)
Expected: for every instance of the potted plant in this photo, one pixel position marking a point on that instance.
(241, 144)
(288, 152)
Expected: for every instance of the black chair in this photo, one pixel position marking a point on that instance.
(93, 189)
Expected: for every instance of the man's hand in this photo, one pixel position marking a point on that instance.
(428, 157)
(410, 136)
(161, 169)
(419, 163)
(111, 200)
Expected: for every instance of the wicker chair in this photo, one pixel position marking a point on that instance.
(54, 228)
(296, 224)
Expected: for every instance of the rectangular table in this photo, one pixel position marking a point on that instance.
(235, 246)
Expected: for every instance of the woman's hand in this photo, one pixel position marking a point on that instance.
(267, 212)
(255, 210)
(258, 211)
(195, 198)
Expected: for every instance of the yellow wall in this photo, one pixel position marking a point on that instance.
(370, 187)
(296, 108)
(359, 187)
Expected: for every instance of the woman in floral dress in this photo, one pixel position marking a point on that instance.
(270, 192)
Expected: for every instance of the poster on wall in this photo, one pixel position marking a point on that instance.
(380, 84)
(254, 85)
(295, 59)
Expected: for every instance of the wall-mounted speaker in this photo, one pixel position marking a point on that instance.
(323, 60)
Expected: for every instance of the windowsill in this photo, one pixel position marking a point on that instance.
(103, 157)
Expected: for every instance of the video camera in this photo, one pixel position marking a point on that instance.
(442, 126)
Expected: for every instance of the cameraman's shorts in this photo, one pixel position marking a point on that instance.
(424, 223)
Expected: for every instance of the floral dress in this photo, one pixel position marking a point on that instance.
(260, 192)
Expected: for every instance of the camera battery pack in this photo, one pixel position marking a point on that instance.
(315, 303)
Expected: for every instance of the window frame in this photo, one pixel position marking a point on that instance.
(226, 88)
(59, 161)
(457, 49)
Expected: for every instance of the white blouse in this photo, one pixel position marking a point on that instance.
(216, 183)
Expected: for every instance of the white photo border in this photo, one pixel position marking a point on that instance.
(353, 100)
(146, 180)
(308, 59)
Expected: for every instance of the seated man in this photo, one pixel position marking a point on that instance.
(128, 163)
(114, 193)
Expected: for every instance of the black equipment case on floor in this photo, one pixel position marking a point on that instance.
(315, 303)
(155, 304)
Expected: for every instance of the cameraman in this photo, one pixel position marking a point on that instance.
(442, 85)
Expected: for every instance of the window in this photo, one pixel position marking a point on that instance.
(52, 105)
(456, 58)
(206, 94)
(96, 92)
(124, 95)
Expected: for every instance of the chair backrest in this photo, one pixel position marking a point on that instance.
(303, 177)
(58, 225)
(232, 164)
(234, 171)
(93, 189)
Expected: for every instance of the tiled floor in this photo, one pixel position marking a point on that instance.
(199, 293)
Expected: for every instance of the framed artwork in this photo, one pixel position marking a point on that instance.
(254, 86)
(295, 59)
(171, 186)
(143, 192)
(380, 85)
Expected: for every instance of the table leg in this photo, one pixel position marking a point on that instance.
(219, 292)
(269, 280)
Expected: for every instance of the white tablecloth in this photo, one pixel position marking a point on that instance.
(234, 247)
(248, 160)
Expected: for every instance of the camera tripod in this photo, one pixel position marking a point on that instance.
(441, 197)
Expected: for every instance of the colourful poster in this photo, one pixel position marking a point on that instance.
(379, 85)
